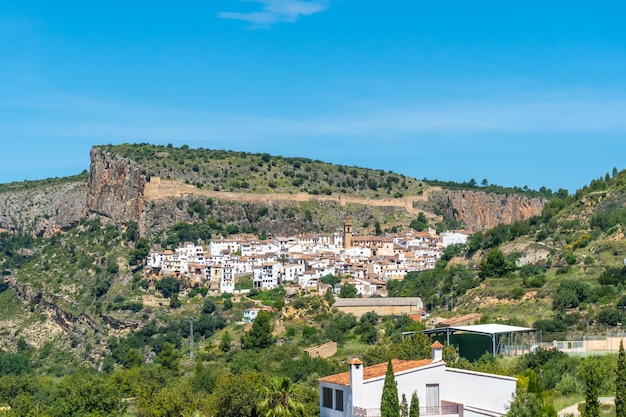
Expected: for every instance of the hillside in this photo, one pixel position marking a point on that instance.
(77, 292)
(562, 271)
(73, 260)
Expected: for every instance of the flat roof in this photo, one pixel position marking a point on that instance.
(488, 329)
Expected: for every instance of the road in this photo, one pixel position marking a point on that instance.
(572, 410)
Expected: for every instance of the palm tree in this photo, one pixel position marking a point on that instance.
(280, 400)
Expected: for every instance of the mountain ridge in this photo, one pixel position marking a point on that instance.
(117, 186)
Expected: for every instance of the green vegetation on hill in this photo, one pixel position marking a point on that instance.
(84, 321)
(543, 192)
(29, 185)
(221, 170)
(572, 256)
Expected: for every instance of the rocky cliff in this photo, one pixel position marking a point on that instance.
(117, 191)
(478, 210)
(43, 208)
(116, 187)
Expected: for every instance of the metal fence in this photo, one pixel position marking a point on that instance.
(581, 342)
(424, 411)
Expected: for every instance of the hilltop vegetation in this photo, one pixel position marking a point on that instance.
(221, 170)
(37, 184)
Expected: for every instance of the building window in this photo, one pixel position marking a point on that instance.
(339, 400)
(432, 395)
(327, 397)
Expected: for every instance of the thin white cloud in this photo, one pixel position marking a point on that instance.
(548, 113)
(277, 11)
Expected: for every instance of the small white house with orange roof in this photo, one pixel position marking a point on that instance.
(442, 391)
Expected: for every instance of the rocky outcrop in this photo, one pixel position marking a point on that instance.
(478, 210)
(42, 208)
(65, 319)
(114, 191)
(117, 191)
(116, 187)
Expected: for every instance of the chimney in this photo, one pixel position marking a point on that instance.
(437, 351)
(356, 381)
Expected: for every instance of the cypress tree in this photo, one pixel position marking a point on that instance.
(620, 383)
(389, 404)
(414, 411)
(590, 373)
(404, 407)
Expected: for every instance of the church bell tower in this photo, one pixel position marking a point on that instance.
(347, 233)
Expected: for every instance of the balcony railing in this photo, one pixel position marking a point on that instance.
(424, 411)
(366, 412)
(440, 410)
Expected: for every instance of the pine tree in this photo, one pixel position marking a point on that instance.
(226, 341)
(389, 404)
(620, 383)
(414, 411)
(260, 335)
(404, 407)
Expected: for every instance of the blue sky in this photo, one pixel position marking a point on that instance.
(520, 93)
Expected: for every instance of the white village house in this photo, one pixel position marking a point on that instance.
(300, 260)
(442, 391)
(454, 238)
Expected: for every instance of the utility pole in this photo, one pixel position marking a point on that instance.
(451, 297)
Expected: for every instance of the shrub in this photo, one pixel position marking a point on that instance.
(113, 267)
(572, 318)
(568, 385)
(550, 325)
(610, 316)
(530, 270)
(612, 276)
(517, 293)
(570, 258)
(534, 282)
(168, 286)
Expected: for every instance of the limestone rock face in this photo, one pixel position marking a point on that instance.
(43, 210)
(116, 187)
(117, 192)
(478, 210)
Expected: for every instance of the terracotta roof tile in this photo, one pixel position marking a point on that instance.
(376, 371)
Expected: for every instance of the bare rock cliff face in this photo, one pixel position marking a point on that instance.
(45, 210)
(478, 210)
(116, 192)
(116, 187)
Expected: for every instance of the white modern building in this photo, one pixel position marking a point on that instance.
(266, 277)
(453, 238)
(442, 391)
(250, 314)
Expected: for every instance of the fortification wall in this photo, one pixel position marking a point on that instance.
(160, 189)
